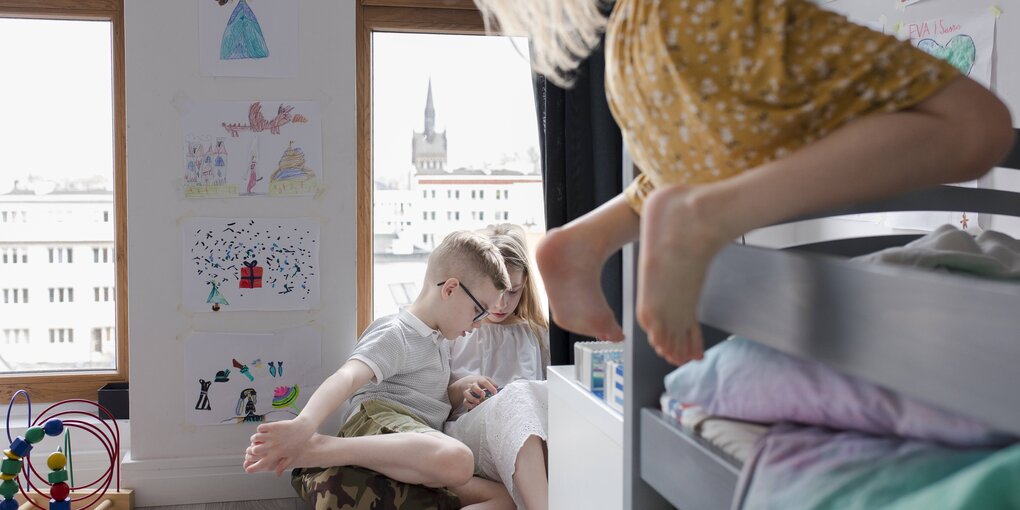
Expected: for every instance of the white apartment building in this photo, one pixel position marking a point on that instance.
(466, 199)
(57, 278)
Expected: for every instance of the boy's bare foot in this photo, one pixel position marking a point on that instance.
(570, 260)
(677, 244)
(306, 456)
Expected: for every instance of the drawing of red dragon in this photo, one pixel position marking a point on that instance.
(258, 123)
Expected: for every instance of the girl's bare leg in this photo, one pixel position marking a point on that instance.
(570, 259)
(482, 494)
(957, 134)
(529, 474)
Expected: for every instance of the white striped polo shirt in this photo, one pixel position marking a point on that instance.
(411, 363)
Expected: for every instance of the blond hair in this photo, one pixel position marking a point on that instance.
(513, 246)
(562, 33)
(468, 256)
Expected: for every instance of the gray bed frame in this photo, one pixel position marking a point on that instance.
(950, 340)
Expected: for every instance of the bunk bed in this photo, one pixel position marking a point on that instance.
(969, 323)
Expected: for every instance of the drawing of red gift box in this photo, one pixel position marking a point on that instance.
(251, 275)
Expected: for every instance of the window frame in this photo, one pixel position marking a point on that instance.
(56, 386)
(459, 17)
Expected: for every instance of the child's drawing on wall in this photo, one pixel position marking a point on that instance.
(236, 264)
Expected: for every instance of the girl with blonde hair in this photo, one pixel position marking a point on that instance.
(498, 389)
(740, 114)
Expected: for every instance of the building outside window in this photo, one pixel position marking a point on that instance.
(422, 85)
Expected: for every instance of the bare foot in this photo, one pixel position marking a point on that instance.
(677, 245)
(570, 261)
(255, 459)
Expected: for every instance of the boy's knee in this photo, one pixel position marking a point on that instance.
(455, 462)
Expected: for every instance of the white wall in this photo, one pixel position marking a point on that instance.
(171, 461)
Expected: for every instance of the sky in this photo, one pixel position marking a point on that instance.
(481, 90)
(53, 123)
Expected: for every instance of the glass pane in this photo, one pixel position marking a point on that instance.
(453, 123)
(56, 188)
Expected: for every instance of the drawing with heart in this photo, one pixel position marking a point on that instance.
(960, 51)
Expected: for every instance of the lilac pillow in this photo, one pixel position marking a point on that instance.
(745, 380)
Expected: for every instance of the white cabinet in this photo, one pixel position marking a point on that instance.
(585, 447)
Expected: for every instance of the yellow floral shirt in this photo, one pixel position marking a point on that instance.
(706, 89)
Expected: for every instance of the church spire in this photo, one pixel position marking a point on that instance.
(430, 113)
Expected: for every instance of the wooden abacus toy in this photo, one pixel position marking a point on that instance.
(62, 494)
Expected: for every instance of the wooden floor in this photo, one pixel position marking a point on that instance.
(269, 504)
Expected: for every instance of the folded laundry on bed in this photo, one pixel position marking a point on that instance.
(812, 468)
(733, 437)
(745, 380)
(990, 253)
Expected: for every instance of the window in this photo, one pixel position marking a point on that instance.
(100, 338)
(103, 294)
(61, 255)
(102, 255)
(403, 293)
(14, 296)
(77, 196)
(15, 256)
(13, 216)
(61, 335)
(61, 294)
(412, 80)
(16, 336)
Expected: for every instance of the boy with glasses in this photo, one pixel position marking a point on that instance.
(393, 425)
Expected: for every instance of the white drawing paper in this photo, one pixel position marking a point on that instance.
(252, 38)
(233, 378)
(237, 264)
(251, 148)
(964, 36)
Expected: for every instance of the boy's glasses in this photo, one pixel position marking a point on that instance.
(484, 311)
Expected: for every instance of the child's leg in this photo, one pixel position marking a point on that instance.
(482, 494)
(570, 259)
(428, 458)
(957, 134)
(530, 477)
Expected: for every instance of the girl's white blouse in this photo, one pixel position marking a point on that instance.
(501, 353)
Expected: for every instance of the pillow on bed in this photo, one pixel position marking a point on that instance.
(745, 380)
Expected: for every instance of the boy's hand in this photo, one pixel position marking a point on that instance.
(470, 391)
(476, 389)
(275, 446)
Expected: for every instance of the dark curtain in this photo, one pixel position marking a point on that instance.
(581, 165)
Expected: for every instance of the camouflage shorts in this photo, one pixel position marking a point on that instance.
(357, 488)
